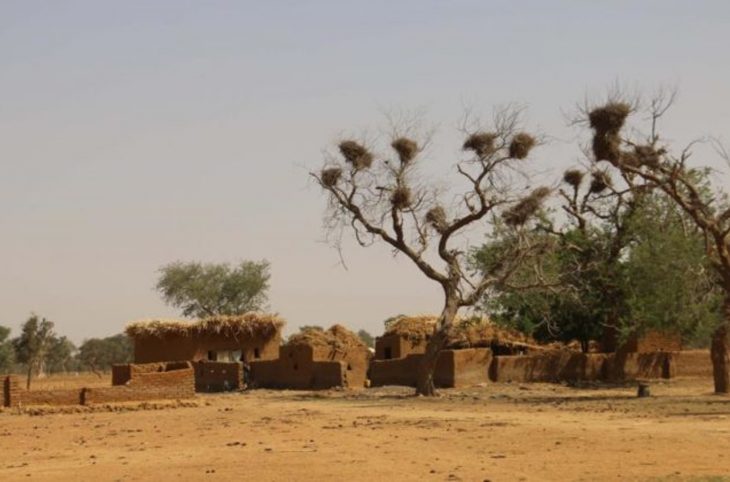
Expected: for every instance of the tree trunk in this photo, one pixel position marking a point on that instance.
(425, 384)
(30, 374)
(719, 353)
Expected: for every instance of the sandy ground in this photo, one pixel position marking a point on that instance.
(497, 432)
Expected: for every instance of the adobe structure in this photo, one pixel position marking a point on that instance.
(646, 342)
(247, 337)
(316, 359)
(465, 361)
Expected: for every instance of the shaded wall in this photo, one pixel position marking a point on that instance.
(454, 368)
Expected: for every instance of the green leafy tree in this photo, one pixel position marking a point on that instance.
(33, 344)
(643, 155)
(61, 355)
(99, 354)
(7, 353)
(201, 290)
(367, 338)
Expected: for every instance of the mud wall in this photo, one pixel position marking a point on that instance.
(395, 346)
(554, 366)
(218, 376)
(693, 363)
(195, 348)
(305, 367)
(173, 384)
(454, 368)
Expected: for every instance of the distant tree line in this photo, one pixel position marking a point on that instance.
(38, 350)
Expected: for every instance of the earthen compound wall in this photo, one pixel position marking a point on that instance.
(174, 384)
(454, 368)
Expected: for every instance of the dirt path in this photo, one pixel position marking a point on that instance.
(499, 432)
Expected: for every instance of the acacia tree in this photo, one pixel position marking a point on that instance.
(209, 289)
(32, 346)
(385, 201)
(647, 157)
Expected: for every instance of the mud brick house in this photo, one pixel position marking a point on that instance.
(465, 361)
(316, 359)
(247, 337)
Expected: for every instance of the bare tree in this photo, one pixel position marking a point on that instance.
(646, 157)
(386, 201)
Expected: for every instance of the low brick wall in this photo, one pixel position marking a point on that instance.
(173, 384)
(218, 376)
(454, 368)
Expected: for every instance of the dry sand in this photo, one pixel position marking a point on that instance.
(497, 432)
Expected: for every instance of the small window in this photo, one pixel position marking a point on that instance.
(388, 353)
(212, 356)
(256, 353)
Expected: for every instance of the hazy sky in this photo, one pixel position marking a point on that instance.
(135, 133)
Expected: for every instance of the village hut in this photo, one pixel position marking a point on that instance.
(245, 338)
(315, 359)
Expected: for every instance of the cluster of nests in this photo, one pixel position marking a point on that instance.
(607, 122)
(483, 144)
(464, 333)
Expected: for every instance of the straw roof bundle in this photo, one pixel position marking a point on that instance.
(482, 333)
(415, 328)
(464, 333)
(249, 324)
(337, 338)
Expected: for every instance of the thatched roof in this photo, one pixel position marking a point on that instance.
(337, 339)
(414, 328)
(465, 333)
(481, 332)
(263, 325)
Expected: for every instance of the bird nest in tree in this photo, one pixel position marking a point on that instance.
(356, 154)
(521, 145)
(337, 339)
(260, 325)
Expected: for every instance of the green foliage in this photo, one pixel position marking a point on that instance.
(650, 274)
(201, 290)
(367, 338)
(60, 356)
(100, 354)
(33, 344)
(7, 353)
(668, 278)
